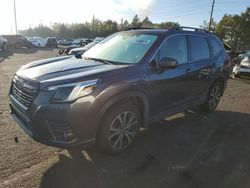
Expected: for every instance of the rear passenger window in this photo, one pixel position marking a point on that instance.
(199, 48)
(215, 47)
(174, 47)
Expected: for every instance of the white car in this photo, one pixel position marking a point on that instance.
(242, 69)
(38, 42)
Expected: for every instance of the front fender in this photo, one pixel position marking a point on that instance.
(122, 96)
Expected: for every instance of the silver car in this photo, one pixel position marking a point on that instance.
(3, 43)
(243, 68)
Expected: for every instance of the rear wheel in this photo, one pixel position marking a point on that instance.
(119, 128)
(213, 98)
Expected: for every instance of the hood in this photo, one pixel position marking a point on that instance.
(63, 68)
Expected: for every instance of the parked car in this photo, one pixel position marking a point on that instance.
(18, 41)
(38, 42)
(51, 42)
(81, 50)
(65, 51)
(3, 43)
(128, 80)
(243, 68)
(65, 42)
(98, 39)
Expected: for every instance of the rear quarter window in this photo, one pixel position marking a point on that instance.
(199, 48)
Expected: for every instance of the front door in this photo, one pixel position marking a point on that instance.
(169, 88)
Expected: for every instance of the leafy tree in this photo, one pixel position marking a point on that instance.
(80, 31)
(228, 29)
(244, 29)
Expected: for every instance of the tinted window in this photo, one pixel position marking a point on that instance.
(215, 47)
(175, 47)
(199, 48)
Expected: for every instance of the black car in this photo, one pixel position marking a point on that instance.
(18, 41)
(128, 80)
(81, 50)
(51, 42)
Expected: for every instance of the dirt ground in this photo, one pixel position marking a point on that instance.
(190, 150)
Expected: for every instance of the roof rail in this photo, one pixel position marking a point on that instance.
(135, 28)
(189, 29)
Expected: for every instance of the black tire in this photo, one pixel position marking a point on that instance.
(236, 76)
(113, 137)
(4, 47)
(213, 98)
(61, 51)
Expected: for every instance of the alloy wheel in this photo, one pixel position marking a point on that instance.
(214, 97)
(123, 130)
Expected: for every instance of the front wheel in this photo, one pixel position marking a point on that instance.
(213, 98)
(119, 128)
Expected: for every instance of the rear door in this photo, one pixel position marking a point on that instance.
(200, 65)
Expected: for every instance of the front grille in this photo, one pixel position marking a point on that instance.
(23, 92)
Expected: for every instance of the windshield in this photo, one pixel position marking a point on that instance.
(128, 48)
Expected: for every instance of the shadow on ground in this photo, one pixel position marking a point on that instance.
(6, 54)
(191, 150)
(245, 79)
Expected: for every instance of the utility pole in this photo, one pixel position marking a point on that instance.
(211, 16)
(15, 15)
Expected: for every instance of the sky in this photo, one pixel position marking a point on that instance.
(31, 13)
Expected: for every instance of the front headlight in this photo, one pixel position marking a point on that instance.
(70, 92)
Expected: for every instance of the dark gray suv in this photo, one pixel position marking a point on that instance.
(125, 82)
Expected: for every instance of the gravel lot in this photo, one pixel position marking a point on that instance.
(191, 149)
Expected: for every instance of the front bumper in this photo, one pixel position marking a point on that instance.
(62, 125)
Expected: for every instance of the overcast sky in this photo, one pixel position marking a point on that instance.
(31, 13)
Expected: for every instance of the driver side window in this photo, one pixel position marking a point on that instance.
(175, 47)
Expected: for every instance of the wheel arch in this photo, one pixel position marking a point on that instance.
(137, 98)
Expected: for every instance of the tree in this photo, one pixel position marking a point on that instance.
(146, 22)
(228, 29)
(126, 24)
(136, 21)
(206, 25)
(167, 25)
(108, 27)
(80, 31)
(41, 31)
(62, 31)
(244, 29)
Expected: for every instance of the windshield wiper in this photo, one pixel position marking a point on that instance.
(101, 60)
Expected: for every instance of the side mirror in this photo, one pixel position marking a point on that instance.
(168, 63)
